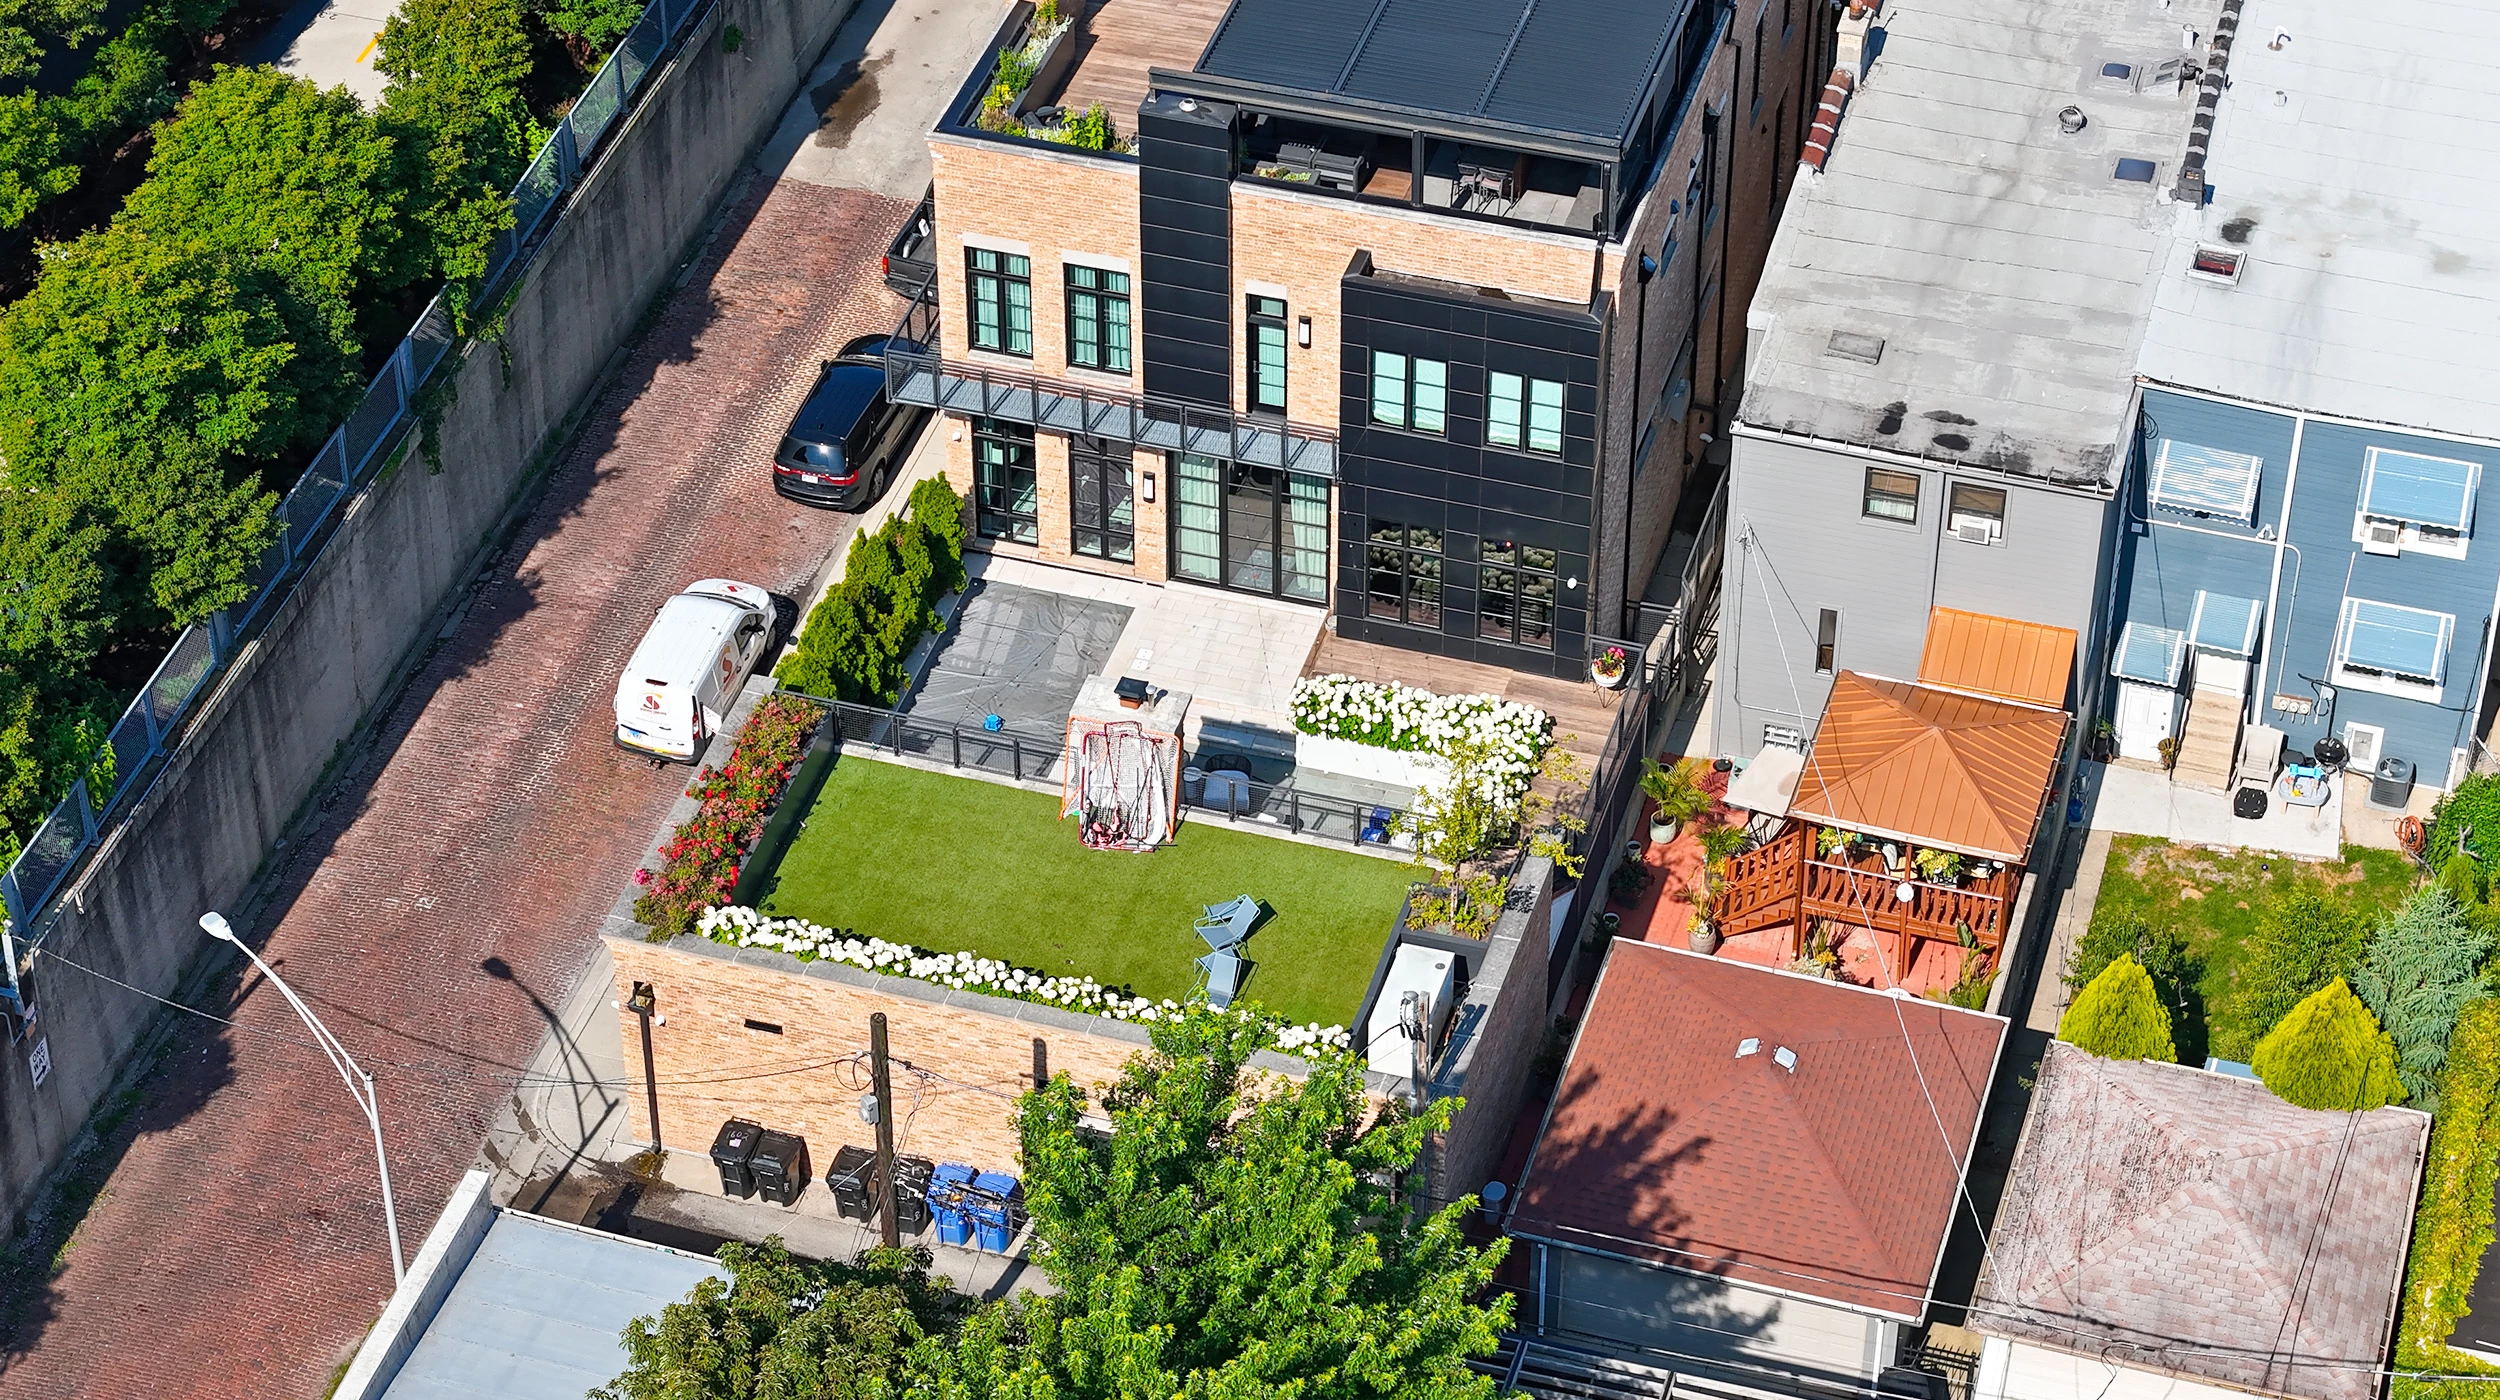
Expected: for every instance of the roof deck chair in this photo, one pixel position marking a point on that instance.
(1218, 913)
(1219, 973)
(1233, 928)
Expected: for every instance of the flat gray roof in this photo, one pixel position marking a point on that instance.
(2005, 270)
(536, 1313)
(2353, 170)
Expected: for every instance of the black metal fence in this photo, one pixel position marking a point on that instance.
(1027, 757)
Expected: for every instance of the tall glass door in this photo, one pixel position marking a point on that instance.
(1256, 529)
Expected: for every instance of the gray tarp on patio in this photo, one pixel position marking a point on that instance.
(1018, 653)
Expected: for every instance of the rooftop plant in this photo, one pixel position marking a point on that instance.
(699, 864)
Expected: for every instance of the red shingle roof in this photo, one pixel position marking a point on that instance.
(1830, 1180)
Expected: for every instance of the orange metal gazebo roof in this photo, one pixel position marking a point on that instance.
(1932, 766)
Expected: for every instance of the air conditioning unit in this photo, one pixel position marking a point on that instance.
(1974, 531)
(2382, 537)
(2361, 746)
(1784, 736)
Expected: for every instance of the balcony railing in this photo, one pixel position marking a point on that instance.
(925, 377)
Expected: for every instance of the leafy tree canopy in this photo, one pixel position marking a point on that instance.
(262, 163)
(783, 1328)
(2302, 941)
(1233, 1235)
(2329, 1053)
(2423, 965)
(454, 104)
(2119, 1016)
(30, 28)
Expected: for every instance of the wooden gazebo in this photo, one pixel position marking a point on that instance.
(1898, 768)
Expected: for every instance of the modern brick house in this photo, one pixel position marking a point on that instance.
(1411, 310)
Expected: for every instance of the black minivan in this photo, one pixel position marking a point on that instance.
(848, 440)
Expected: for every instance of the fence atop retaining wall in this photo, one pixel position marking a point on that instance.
(152, 727)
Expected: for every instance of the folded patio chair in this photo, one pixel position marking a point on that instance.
(1220, 974)
(1234, 928)
(1220, 913)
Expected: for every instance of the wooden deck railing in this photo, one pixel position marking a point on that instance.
(1782, 882)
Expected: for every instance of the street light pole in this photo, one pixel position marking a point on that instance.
(359, 1083)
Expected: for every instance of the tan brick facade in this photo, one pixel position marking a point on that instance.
(712, 1067)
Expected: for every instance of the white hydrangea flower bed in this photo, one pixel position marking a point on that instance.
(1390, 715)
(741, 926)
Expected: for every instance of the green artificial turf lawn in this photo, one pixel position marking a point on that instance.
(955, 864)
(2213, 896)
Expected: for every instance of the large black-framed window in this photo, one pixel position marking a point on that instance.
(1101, 506)
(1410, 392)
(1266, 357)
(1000, 289)
(1005, 491)
(1516, 588)
(1891, 495)
(1402, 573)
(1098, 319)
(1251, 528)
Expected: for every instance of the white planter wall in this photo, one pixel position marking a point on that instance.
(1399, 768)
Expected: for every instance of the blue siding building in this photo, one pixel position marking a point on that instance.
(2327, 570)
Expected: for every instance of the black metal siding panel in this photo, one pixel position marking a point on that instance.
(1184, 237)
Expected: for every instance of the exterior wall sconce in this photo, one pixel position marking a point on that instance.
(1302, 332)
(1150, 486)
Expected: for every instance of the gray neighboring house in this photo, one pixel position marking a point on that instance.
(2170, 1233)
(1940, 364)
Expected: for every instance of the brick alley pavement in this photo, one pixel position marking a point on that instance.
(453, 891)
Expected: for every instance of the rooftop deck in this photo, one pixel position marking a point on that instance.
(1583, 713)
(1118, 40)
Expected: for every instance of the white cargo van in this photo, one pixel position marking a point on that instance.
(699, 652)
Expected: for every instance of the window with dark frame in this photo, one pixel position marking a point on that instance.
(1267, 355)
(1005, 500)
(1759, 21)
(1891, 495)
(1101, 507)
(1523, 412)
(1976, 509)
(1410, 393)
(1000, 288)
(1098, 323)
(1516, 587)
(1402, 574)
(1826, 641)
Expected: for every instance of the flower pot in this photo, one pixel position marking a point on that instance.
(1613, 682)
(1702, 938)
(1609, 924)
(1661, 831)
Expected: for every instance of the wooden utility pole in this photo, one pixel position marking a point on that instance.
(884, 1084)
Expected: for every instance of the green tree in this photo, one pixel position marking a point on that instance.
(30, 28)
(2329, 1053)
(258, 162)
(1233, 1235)
(2119, 1016)
(454, 107)
(2423, 965)
(2302, 941)
(782, 1328)
(38, 155)
(590, 27)
(139, 381)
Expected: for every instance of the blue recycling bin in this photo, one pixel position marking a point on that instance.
(947, 1187)
(996, 1205)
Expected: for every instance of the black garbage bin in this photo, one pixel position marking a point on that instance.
(780, 1166)
(733, 1150)
(911, 1193)
(853, 1181)
(2391, 784)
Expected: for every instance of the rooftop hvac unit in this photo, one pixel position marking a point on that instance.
(1970, 531)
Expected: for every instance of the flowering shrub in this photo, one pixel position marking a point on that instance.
(699, 865)
(1506, 739)
(740, 926)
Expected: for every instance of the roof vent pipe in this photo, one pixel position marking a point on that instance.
(2070, 119)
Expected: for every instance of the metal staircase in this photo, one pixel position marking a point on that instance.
(1552, 1372)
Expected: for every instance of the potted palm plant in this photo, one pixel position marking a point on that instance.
(1678, 793)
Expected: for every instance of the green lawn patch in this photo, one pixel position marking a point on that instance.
(955, 864)
(2212, 898)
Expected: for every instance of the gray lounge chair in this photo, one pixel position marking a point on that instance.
(1233, 928)
(1220, 974)
(1220, 913)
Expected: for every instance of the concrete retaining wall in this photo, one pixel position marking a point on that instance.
(265, 739)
